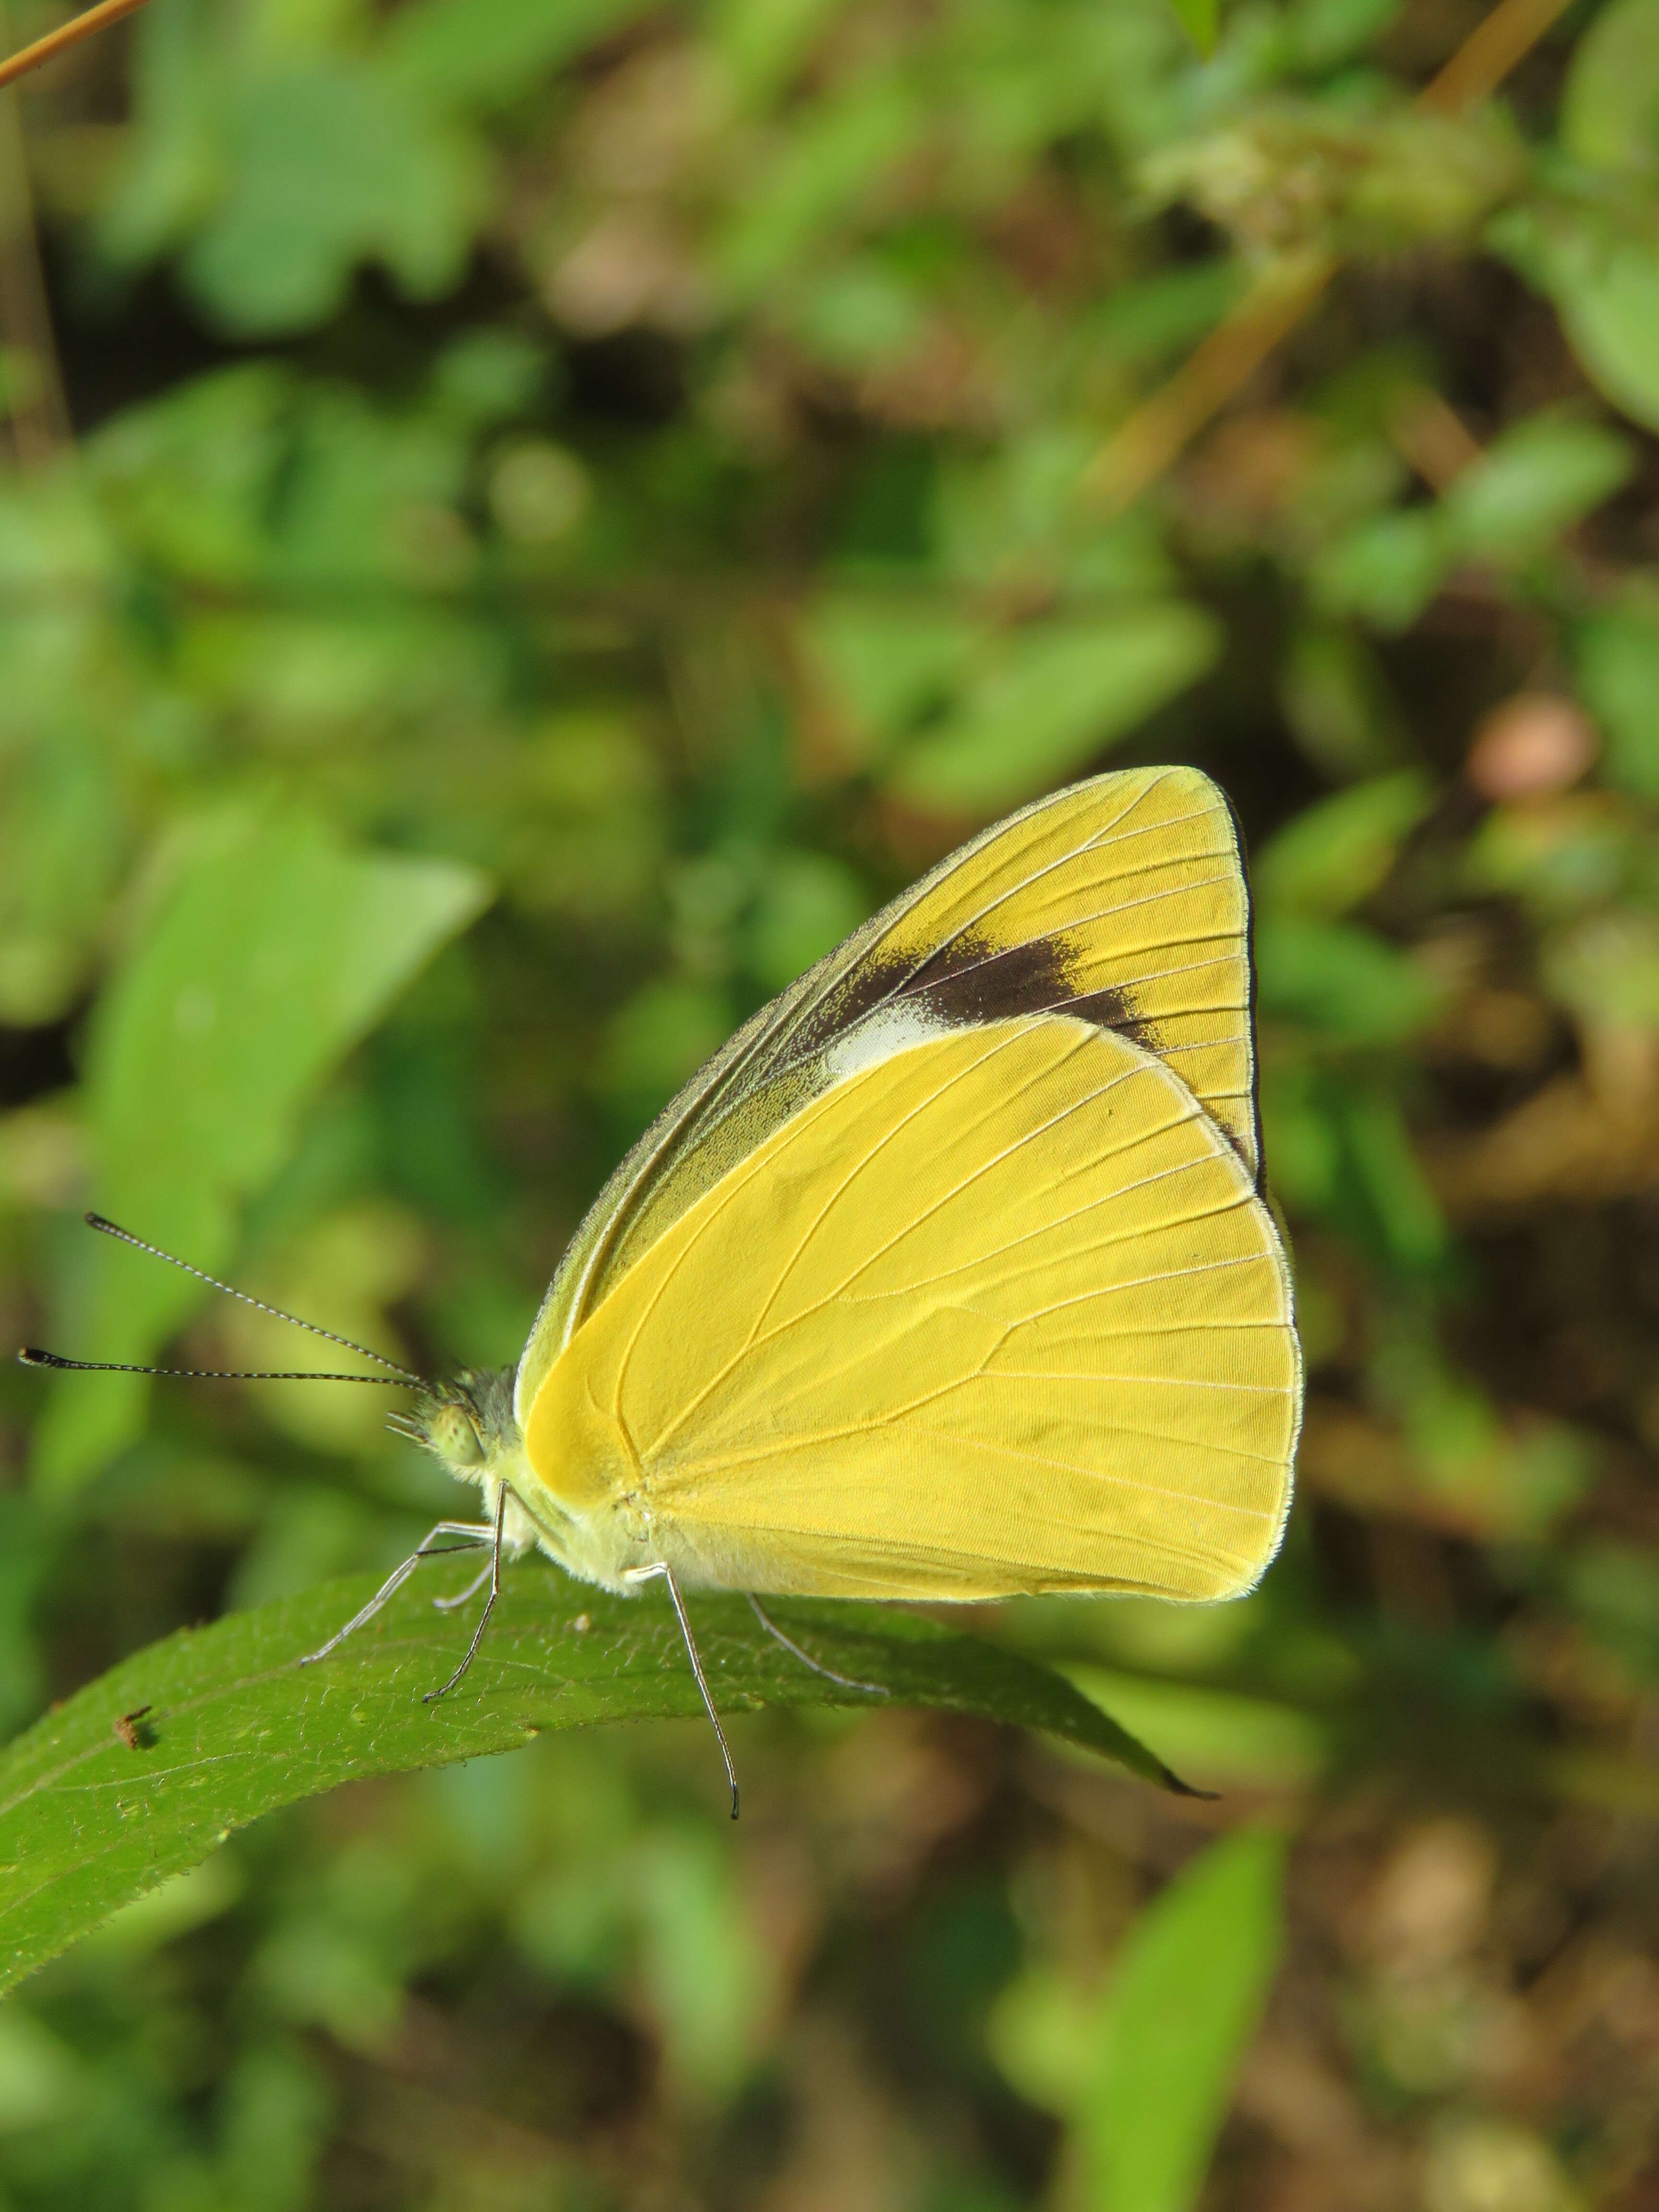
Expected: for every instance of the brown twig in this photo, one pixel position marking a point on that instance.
(1145, 442)
(1486, 57)
(1431, 436)
(66, 35)
(1157, 432)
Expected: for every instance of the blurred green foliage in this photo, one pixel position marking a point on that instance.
(1143, 2068)
(524, 519)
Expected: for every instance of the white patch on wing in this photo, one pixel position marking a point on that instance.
(893, 1029)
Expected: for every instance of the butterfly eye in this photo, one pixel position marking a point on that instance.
(453, 1435)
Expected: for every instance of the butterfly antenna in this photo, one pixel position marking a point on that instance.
(31, 1356)
(107, 1228)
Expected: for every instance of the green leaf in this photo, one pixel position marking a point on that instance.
(1336, 853)
(88, 1822)
(762, 43)
(279, 949)
(1324, 33)
(249, 475)
(884, 663)
(188, 480)
(808, 904)
(1225, 1739)
(855, 317)
(1618, 673)
(1052, 698)
(1530, 485)
(1201, 21)
(657, 1040)
(1186, 1996)
(1610, 106)
(1341, 1151)
(821, 172)
(1599, 267)
(328, 168)
(1382, 1190)
(1150, 317)
(169, 168)
(1613, 1588)
(1387, 568)
(1341, 981)
(1611, 318)
(482, 52)
(1338, 705)
(1606, 968)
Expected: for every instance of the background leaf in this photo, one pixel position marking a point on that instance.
(274, 951)
(1050, 698)
(667, 489)
(1143, 2067)
(1201, 21)
(1610, 109)
(1532, 483)
(455, 54)
(329, 168)
(1187, 1992)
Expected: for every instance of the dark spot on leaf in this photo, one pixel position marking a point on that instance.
(133, 1730)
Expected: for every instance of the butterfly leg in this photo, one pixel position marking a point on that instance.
(433, 1696)
(468, 1531)
(663, 1570)
(452, 1604)
(847, 1681)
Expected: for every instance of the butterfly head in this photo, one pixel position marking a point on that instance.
(467, 1422)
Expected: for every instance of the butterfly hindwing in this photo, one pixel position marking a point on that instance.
(998, 1310)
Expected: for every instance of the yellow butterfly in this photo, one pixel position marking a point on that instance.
(950, 1276)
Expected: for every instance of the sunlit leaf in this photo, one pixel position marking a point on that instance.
(1609, 302)
(885, 663)
(836, 153)
(1187, 1991)
(1387, 568)
(1594, 254)
(1338, 706)
(1607, 966)
(1222, 1739)
(1143, 2067)
(807, 903)
(90, 1820)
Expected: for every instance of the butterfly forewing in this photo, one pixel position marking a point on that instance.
(1121, 901)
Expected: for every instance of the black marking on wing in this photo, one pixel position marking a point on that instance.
(969, 981)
